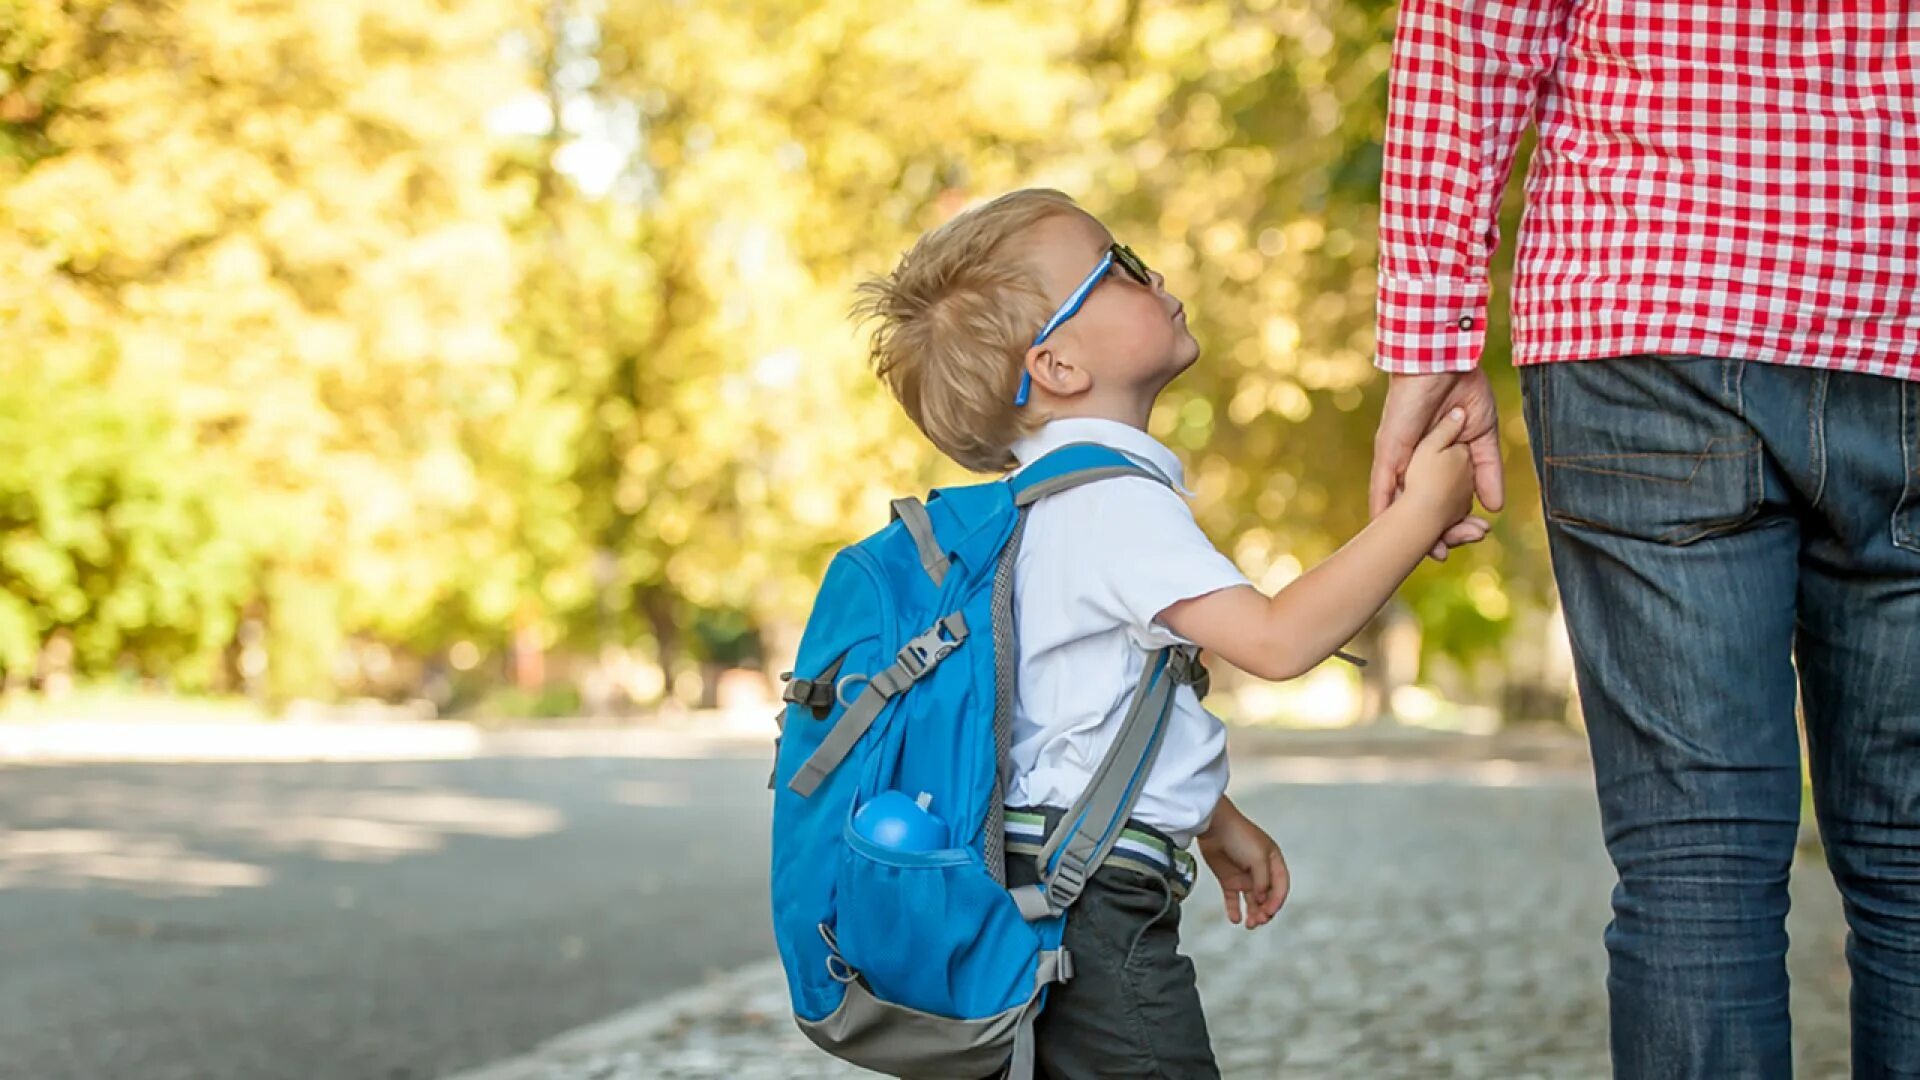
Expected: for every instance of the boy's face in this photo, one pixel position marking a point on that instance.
(1127, 339)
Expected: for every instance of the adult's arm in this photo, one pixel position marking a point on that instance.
(1465, 78)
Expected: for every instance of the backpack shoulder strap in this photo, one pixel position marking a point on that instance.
(920, 527)
(1071, 466)
(1092, 824)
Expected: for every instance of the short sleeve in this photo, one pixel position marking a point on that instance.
(1147, 554)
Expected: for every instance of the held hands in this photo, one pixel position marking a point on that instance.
(1439, 479)
(1416, 405)
(1247, 863)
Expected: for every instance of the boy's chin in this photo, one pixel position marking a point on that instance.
(1176, 367)
(1185, 355)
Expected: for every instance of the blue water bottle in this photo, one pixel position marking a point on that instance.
(893, 821)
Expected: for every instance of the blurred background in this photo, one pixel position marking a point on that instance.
(423, 427)
(492, 358)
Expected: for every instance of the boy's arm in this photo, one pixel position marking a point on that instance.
(1287, 634)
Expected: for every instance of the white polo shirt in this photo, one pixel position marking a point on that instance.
(1097, 566)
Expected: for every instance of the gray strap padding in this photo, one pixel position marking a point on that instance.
(1056, 966)
(1006, 657)
(920, 527)
(1032, 902)
(1091, 826)
(1021, 1065)
(839, 742)
(1073, 480)
(911, 664)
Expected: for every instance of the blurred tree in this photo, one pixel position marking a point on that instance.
(113, 528)
(512, 324)
(277, 225)
(736, 439)
(1247, 163)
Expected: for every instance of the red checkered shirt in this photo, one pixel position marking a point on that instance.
(1734, 178)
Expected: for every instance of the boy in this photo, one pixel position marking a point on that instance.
(1019, 327)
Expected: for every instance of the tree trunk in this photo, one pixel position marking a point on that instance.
(1391, 646)
(658, 605)
(529, 657)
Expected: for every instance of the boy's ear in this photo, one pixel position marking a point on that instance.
(1056, 374)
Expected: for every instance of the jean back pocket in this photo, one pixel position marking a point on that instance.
(1650, 448)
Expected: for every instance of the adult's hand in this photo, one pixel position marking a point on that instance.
(1414, 404)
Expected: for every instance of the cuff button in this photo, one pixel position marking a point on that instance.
(1466, 322)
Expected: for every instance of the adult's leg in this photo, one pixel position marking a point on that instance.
(1859, 653)
(1675, 546)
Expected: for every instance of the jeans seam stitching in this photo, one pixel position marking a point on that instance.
(1698, 530)
(1699, 460)
(1903, 538)
(1817, 434)
(1747, 447)
(1758, 479)
(1681, 481)
(1546, 438)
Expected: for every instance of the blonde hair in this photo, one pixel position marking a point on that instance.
(957, 316)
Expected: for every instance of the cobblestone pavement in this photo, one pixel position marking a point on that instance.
(1441, 925)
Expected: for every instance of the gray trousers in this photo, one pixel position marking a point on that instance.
(1131, 1009)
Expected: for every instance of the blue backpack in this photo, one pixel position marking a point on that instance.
(922, 963)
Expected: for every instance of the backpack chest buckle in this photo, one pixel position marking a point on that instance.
(930, 647)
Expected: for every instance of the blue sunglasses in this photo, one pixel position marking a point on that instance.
(1117, 254)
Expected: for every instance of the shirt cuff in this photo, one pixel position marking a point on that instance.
(1426, 327)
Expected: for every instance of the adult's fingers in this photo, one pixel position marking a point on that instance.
(1411, 404)
(1489, 478)
(1389, 461)
(1466, 531)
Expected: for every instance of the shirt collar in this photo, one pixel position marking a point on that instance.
(1113, 434)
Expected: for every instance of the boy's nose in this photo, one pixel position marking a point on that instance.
(1159, 280)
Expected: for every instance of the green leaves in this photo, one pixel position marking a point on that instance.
(112, 528)
(456, 323)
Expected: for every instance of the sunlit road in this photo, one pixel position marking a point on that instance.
(407, 921)
(360, 922)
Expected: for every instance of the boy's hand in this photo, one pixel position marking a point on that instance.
(1440, 476)
(1413, 403)
(1248, 864)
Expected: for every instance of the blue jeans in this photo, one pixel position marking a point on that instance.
(1715, 525)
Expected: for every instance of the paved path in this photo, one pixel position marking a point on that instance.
(408, 920)
(366, 921)
(1445, 923)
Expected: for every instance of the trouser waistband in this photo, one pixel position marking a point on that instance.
(1141, 847)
